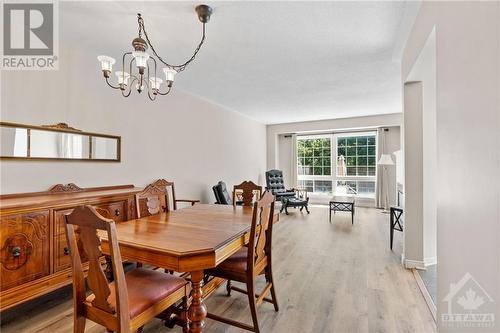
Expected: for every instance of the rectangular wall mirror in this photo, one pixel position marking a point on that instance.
(56, 142)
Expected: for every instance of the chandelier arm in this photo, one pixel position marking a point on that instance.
(129, 87)
(149, 95)
(165, 93)
(123, 62)
(130, 65)
(147, 80)
(178, 68)
(146, 83)
(128, 94)
(147, 66)
(109, 84)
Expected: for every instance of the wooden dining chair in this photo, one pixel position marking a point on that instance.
(251, 262)
(152, 200)
(155, 199)
(248, 190)
(132, 299)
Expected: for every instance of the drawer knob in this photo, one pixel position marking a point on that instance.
(16, 251)
(66, 251)
(117, 212)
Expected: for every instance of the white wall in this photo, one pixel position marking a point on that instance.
(413, 185)
(468, 144)
(424, 166)
(179, 137)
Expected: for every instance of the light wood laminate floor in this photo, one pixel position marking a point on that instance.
(329, 278)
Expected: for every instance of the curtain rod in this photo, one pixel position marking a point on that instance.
(371, 129)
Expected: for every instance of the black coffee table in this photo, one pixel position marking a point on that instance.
(294, 202)
(342, 204)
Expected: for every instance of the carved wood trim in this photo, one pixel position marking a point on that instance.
(88, 189)
(62, 126)
(71, 187)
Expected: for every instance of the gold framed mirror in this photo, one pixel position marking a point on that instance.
(56, 142)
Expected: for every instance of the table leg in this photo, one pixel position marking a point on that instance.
(197, 310)
(352, 214)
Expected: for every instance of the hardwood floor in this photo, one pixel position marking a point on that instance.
(329, 278)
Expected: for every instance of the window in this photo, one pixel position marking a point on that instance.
(340, 163)
(358, 154)
(314, 156)
(314, 163)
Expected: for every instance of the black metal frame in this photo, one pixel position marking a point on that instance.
(342, 207)
(395, 221)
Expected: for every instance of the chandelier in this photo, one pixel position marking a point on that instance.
(141, 65)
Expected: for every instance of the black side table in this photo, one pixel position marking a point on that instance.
(342, 204)
(395, 223)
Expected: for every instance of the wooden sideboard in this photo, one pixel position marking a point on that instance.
(34, 257)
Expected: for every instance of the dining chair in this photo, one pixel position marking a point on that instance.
(155, 199)
(248, 190)
(221, 193)
(132, 299)
(152, 200)
(250, 262)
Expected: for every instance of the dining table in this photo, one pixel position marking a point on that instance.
(188, 240)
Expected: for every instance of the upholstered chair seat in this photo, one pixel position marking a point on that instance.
(233, 268)
(146, 287)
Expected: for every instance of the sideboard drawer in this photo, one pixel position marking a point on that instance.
(114, 210)
(25, 247)
(61, 250)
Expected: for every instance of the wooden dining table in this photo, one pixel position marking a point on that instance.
(190, 240)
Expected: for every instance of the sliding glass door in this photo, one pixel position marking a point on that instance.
(340, 164)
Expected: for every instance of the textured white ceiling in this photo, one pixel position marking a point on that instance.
(272, 61)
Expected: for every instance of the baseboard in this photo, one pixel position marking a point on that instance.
(425, 293)
(430, 261)
(411, 264)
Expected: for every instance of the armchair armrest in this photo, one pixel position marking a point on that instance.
(187, 200)
(301, 193)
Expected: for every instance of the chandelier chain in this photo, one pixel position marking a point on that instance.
(178, 68)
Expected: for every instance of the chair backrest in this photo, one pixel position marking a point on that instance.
(155, 199)
(216, 194)
(152, 200)
(274, 181)
(259, 245)
(221, 194)
(249, 190)
(87, 221)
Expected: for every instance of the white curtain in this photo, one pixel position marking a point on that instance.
(379, 198)
(293, 167)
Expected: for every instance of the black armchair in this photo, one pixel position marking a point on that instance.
(274, 182)
(222, 196)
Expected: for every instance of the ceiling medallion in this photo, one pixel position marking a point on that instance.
(141, 79)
